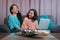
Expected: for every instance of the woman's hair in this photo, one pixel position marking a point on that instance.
(35, 14)
(19, 16)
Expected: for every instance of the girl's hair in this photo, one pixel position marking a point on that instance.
(19, 16)
(35, 14)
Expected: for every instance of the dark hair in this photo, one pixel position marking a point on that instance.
(35, 14)
(19, 16)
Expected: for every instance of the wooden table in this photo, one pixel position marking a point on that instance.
(13, 36)
(57, 35)
(2, 35)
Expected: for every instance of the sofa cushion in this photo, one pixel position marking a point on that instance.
(56, 29)
(51, 24)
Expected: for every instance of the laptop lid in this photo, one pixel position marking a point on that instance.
(44, 23)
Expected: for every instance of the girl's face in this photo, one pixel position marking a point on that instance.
(31, 14)
(15, 9)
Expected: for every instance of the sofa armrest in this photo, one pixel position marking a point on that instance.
(4, 28)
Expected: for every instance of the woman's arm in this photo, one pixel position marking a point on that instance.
(24, 25)
(12, 24)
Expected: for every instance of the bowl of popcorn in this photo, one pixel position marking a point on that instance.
(43, 32)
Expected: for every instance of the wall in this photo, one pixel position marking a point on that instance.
(51, 7)
(2, 10)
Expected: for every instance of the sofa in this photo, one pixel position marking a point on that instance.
(5, 28)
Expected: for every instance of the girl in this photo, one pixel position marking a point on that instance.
(15, 19)
(30, 21)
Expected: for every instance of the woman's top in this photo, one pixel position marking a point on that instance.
(29, 24)
(13, 22)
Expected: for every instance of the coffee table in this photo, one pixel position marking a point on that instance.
(14, 36)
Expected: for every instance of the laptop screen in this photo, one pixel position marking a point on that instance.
(44, 23)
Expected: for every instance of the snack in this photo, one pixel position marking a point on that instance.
(43, 32)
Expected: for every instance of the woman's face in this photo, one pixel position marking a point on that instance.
(31, 14)
(15, 9)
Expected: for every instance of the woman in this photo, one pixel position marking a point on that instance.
(15, 19)
(30, 21)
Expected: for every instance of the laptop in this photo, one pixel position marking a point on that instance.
(43, 24)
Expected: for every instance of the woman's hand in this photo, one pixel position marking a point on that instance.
(18, 28)
(31, 28)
